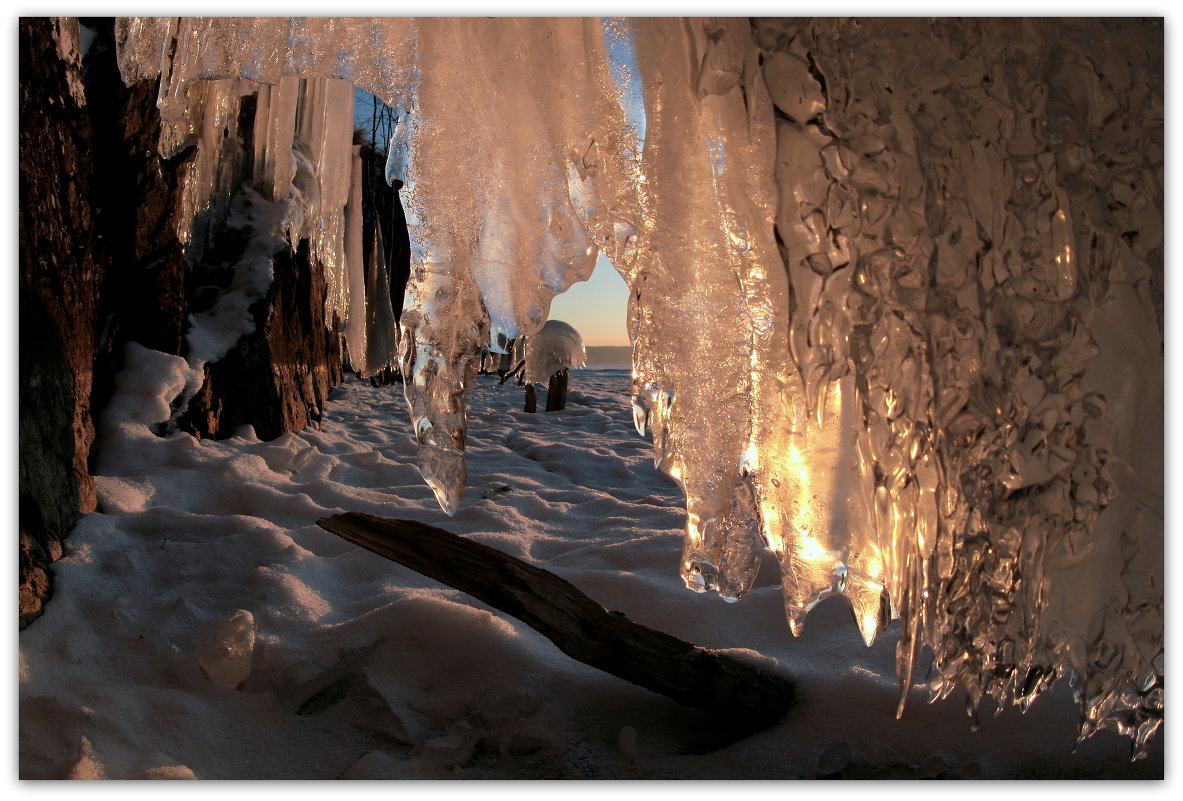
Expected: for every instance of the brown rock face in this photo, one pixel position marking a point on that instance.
(101, 266)
(57, 279)
(142, 293)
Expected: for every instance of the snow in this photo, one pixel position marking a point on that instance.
(213, 332)
(203, 626)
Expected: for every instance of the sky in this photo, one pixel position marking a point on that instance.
(597, 308)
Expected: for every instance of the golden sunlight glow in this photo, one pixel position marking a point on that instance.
(868, 625)
(751, 458)
(810, 550)
(873, 562)
(775, 542)
(800, 469)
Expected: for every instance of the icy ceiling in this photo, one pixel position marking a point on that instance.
(896, 289)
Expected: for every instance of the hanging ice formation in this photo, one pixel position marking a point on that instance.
(301, 156)
(896, 295)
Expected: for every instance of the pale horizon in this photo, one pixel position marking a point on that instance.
(596, 308)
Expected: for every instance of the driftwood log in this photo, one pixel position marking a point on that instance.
(743, 697)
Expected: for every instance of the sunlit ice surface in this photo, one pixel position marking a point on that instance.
(896, 291)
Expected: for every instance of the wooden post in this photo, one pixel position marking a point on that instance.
(531, 399)
(743, 697)
(556, 393)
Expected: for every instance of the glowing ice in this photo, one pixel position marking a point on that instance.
(896, 295)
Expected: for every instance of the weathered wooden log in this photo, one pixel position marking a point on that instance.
(531, 404)
(743, 697)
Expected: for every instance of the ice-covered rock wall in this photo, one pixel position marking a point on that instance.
(896, 296)
(299, 155)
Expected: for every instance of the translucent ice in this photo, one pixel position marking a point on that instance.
(557, 346)
(954, 276)
(371, 334)
(225, 650)
(896, 293)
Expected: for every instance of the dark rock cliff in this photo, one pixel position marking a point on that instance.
(58, 281)
(278, 378)
(101, 266)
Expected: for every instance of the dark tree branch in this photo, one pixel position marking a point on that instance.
(745, 697)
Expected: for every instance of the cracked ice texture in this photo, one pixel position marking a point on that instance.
(896, 297)
(972, 223)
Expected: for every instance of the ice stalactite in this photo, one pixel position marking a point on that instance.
(517, 174)
(382, 347)
(370, 334)
(301, 97)
(989, 218)
(705, 332)
(376, 54)
(896, 296)
(297, 151)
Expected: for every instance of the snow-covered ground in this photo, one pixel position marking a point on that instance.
(361, 668)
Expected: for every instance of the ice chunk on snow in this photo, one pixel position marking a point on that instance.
(557, 346)
(225, 651)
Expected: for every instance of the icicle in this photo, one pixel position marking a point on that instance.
(356, 318)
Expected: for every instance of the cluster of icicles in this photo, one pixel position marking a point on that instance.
(896, 292)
